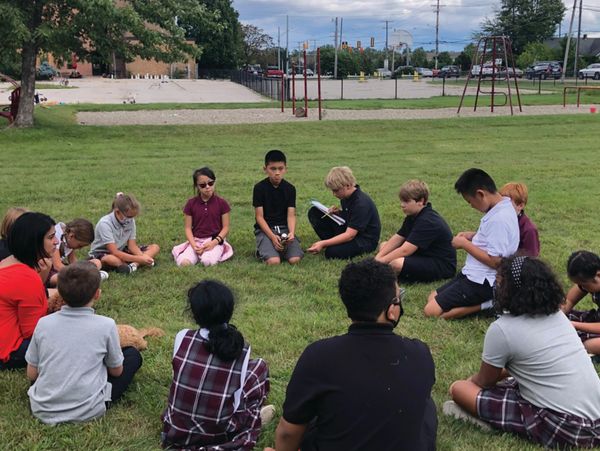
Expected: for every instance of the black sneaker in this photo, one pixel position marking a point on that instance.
(127, 269)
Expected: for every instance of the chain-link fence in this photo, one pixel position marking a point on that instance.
(272, 87)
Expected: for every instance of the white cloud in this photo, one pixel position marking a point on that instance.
(312, 20)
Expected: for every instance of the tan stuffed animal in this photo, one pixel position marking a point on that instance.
(128, 335)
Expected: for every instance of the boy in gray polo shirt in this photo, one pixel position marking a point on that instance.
(74, 359)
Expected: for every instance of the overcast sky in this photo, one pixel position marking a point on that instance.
(313, 20)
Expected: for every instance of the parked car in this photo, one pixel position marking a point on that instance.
(513, 73)
(485, 70)
(544, 69)
(449, 71)
(593, 70)
(273, 71)
(424, 72)
(300, 71)
(384, 73)
(500, 72)
(402, 71)
(254, 69)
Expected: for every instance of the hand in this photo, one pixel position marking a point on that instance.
(44, 264)
(459, 242)
(276, 240)
(197, 249)
(316, 248)
(468, 235)
(269, 449)
(209, 245)
(576, 324)
(334, 209)
(290, 237)
(146, 259)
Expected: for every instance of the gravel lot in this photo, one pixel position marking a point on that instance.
(257, 115)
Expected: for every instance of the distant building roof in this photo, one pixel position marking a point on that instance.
(588, 46)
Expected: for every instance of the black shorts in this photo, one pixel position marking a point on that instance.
(461, 292)
(424, 269)
(100, 253)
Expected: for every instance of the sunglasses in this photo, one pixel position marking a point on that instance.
(204, 185)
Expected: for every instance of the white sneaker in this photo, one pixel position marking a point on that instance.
(267, 413)
(103, 275)
(452, 409)
(133, 266)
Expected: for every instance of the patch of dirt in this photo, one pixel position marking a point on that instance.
(267, 115)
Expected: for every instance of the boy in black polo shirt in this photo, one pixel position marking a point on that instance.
(421, 251)
(369, 389)
(360, 233)
(274, 201)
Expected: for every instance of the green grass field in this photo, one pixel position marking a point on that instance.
(69, 171)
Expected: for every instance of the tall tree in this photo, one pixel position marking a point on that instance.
(444, 59)
(525, 21)
(465, 58)
(145, 28)
(255, 40)
(418, 57)
(221, 43)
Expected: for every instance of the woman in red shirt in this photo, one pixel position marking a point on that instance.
(22, 294)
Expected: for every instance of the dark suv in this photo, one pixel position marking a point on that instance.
(544, 69)
(449, 71)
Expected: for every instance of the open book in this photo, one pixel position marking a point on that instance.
(337, 219)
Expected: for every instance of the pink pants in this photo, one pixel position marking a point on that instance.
(219, 253)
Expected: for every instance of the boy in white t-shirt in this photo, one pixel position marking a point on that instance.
(498, 236)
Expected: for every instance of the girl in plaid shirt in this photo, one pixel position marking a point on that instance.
(217, 390)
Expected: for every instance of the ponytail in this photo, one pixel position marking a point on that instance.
(583, 265)
(211, 304)
(126, 203)
(225, 341)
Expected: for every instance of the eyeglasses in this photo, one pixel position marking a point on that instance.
(204, 185)
(397, 300)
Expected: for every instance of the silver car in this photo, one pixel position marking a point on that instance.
(593, 70)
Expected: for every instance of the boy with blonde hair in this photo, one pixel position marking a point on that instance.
(529, 241)
(421, 251)
(362, 228)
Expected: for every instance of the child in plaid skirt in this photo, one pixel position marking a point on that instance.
(217, 390)
(536, 379)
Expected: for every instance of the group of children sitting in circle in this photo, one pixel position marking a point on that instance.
(536, 378)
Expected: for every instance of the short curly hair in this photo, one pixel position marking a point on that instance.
(537, 292)
(367, 288)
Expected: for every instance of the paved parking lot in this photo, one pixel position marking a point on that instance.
(103, 90)
(106, 90)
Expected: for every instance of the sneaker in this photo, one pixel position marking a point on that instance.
(452, 409)
(267, 413)
(103, 275)
(127, 269)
